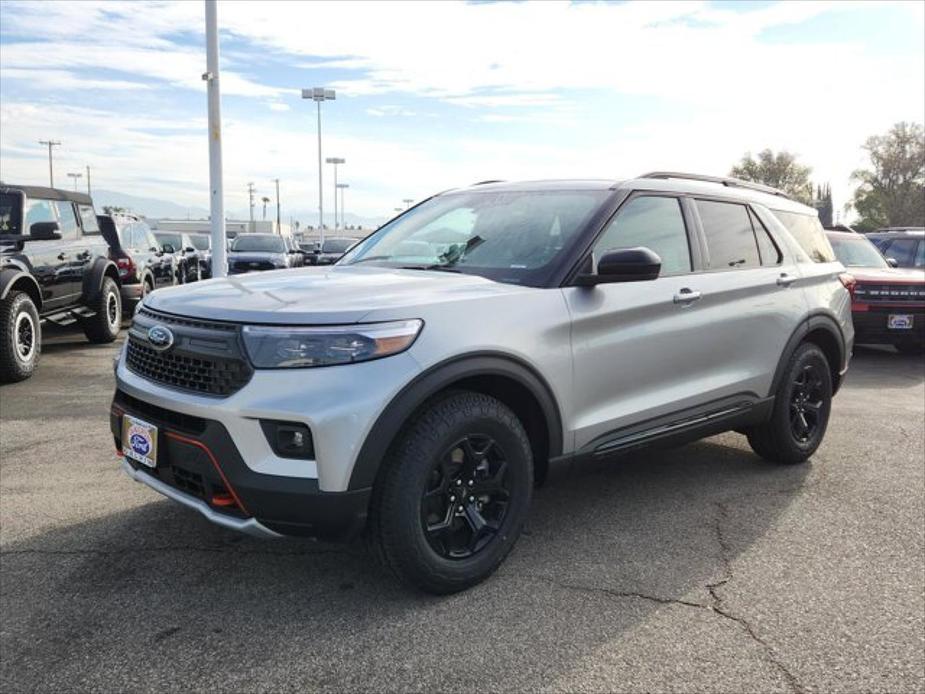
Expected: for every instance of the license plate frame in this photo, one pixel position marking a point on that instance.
(899, 321)
(139, 440)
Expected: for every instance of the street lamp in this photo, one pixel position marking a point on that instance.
(342, 186)
(319, 94)
(408, 202)
(75, 176)
(335, 161)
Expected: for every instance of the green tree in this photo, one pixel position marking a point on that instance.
(779, 170)
(892, 191)
(113, 209)
(823, 204)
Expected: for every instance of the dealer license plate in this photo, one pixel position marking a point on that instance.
(139, 440)
(899, 321)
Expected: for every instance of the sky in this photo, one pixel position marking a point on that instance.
(435, 95)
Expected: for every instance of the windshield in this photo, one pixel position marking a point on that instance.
(509, 236)
(258, 242)
(857, 252)
(337, 245)
(174, 240)
(200, 242)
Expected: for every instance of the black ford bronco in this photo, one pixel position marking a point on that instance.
(54, 266)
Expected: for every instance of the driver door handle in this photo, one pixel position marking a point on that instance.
(686, 296)
(785, 280)
(62, 256)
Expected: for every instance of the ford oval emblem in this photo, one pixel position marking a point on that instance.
(160, 337)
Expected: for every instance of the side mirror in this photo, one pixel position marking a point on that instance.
(892, 262)
(44, 231)
(624, 265)
(168, 248)
(189, 249)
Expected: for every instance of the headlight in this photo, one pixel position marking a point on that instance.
(286, 347)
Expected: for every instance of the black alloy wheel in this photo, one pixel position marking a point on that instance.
(806, 402)
(467, 497)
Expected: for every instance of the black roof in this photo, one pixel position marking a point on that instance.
(49, 193)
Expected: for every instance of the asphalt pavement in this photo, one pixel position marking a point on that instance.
(700, 569)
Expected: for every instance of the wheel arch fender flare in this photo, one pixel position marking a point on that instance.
(11, 278)
(815, 323)
(441, 377)
(93, 278)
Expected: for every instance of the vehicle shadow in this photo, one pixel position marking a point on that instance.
(885, 368)
(157, 594)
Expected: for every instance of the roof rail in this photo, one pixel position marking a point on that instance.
(491, 180)
(722, 180)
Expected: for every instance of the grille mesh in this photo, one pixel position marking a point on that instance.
(209, 375)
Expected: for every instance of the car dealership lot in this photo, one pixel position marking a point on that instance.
(697, 569)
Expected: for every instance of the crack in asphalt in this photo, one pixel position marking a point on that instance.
(715, 605)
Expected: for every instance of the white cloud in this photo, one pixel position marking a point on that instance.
(59, 80)
(278, 106)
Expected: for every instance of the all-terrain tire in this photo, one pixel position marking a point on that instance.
(783, 438)
(20, 337)
(103, 326)
(396, 530)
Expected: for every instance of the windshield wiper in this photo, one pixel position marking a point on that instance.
(372, 257)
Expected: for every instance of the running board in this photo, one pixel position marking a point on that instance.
(69, 316)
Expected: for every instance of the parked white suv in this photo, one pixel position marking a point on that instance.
(420, 387)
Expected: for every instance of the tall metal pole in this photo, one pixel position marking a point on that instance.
(279, 227)
(320, 187)
(217, 199)
(88, 179)
(335, 198)
(51, 170)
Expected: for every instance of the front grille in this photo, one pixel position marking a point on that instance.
(252, 265)
(890, 293)
(186, 322)
(209, 375)
(178, 420)
(189, 481)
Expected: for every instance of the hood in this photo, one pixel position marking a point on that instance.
(899, 275)
(324, 295)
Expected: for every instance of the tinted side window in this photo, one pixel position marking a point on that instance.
(730, 238)
(67, 220)
(808, 232)
(88, 218)
(653, 222)
(767, 249)
(920, 255)
(903, 250)
(39, 211)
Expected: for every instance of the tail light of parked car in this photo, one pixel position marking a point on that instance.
(850, 283)
(126, 265)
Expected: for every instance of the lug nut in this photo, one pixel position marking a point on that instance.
(460, 509)
(452, 498)
(471, 482)
(471, 498)
(458, 482)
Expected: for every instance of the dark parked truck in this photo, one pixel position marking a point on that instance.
(54, 266)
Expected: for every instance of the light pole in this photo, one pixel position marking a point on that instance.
(335, 161)
(250, 202)
(51, 171)
(279, 228)
(88, 179)
(264, 200)
(75, 176)
(408, 202)
(343, 187)
(319, 94)
(216, 198)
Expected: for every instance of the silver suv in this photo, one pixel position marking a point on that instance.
(421, 387)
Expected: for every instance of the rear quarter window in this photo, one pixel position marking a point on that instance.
(10, 213)
(88, 219)
(808, 232)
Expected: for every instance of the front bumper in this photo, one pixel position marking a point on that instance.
(871, 326)
(200, 467)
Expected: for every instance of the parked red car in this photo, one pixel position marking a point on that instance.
(888, 303)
